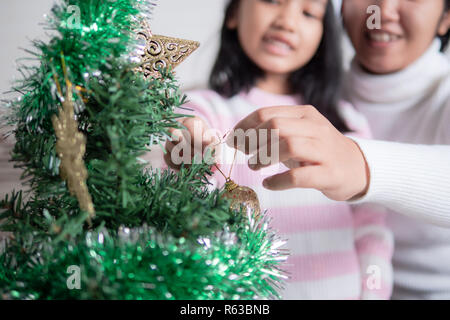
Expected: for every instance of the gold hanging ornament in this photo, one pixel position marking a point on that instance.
(240, 196)
(71, 147)
(162, 51)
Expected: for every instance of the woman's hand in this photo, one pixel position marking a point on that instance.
(186, 143)
(327, 160)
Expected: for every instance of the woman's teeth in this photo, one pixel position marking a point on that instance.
(383, 37)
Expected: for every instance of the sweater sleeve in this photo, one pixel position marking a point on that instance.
(410, 179)
(374, 244)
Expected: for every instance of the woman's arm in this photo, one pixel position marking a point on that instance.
(413, 180)
(374, 244)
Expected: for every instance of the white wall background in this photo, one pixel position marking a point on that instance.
(198, 20)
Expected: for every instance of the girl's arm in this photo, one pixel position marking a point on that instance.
(374, 245)
(413, 180)
(203, 130)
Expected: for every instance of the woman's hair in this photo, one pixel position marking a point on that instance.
(318, 82)
(445, 38)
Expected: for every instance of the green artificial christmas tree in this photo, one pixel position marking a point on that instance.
(93, 210)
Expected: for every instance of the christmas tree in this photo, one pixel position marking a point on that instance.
(96, 222)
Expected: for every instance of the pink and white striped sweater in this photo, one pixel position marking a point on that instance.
(336, 251)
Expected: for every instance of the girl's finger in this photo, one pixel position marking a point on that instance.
(191, 129)
(195, 128)
(210, 143)
(169, 162)
(176, 135)
(169, 155)
(304, 150)
(308, 177)
(169, 146)
(198, 135)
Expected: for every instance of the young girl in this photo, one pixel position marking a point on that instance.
(400, 80)
(286, 52)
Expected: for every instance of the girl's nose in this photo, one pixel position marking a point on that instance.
(288, 16)
(389, 10)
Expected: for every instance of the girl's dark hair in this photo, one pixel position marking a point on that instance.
(445, 38)
(318, 82)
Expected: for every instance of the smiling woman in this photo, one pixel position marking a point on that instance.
(400, 80)
(408, 28)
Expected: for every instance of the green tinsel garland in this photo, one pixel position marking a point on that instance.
(143, 264)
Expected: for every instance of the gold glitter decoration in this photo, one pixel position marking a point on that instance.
(162, 51)
(241, 196)
(71, 147)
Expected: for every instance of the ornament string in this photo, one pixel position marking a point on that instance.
(230, 185)
(240, 196)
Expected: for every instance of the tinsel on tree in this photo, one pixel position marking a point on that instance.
(149, 234)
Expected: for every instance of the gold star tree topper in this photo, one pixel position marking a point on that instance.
(162, 51)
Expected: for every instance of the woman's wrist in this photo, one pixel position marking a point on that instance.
(365, 177)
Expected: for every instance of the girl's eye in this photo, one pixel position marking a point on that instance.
(315, 9)
(272, 1)
(310, 15)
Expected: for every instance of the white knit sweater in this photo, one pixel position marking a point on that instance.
(409, 113)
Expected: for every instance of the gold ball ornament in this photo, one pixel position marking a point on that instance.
(241, 196)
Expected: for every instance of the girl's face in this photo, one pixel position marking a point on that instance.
(279, 36)
(407, 29)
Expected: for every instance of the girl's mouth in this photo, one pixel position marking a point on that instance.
(277, 46)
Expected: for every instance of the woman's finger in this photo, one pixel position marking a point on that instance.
(262, 115)
(308, 177)
(272, 131)
(304, 150)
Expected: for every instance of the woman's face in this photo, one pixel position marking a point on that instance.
(279, 36)
(407, 29)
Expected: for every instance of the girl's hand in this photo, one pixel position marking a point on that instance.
(328, 161)
(194, 140)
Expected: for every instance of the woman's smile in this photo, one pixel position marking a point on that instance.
(379, 39)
